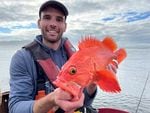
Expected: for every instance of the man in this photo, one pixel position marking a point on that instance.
(52, 22)
(25, 68)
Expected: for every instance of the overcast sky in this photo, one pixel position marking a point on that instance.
(117, 18)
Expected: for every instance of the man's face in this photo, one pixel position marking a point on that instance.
(52, 24)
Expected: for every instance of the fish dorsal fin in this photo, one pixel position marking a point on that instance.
(89, 41)
(110, 43)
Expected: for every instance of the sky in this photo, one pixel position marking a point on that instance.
(117, 18)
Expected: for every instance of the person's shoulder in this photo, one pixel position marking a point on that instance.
(22, 53)
(21, 58)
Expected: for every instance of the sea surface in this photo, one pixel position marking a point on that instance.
(133, 75)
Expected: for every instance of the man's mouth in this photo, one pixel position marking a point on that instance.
(52, 31)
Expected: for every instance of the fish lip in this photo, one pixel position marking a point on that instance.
(76, 84)
(73, 84)
(76, 89)
(72, 87)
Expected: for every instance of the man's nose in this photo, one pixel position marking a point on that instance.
(53, 23)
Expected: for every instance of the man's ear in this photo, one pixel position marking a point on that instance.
(38, 23)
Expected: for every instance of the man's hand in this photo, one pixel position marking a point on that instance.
(113, 66)
(54, 100)
(64, 100)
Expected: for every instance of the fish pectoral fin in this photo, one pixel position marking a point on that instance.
(121, 54)
(107, 81)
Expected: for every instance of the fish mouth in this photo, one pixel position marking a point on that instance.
(72, 87)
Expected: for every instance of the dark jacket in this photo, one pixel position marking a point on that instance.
(23, 76)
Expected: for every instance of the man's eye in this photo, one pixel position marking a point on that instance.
(46, 17)
(59, 19)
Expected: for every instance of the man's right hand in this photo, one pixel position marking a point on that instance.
(64, 100)
(54, 100)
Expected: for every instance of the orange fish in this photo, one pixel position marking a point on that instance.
(89, 64)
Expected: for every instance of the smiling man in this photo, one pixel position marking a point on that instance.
(36, 65)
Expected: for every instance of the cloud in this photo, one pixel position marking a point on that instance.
(120, 19)
(135, 16)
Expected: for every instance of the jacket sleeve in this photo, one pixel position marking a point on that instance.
(89, 98)
(22, 85)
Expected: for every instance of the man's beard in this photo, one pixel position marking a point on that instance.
(52, 40)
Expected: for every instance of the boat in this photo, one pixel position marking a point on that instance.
(4, 102)
(111, 110)
(4, 105)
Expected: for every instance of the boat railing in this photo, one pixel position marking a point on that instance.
(0, 98)
(4, 102)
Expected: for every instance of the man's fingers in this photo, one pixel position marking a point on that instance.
(61, 94)
(71, 105)
(64, 100)
(115, 62)
(113, 66)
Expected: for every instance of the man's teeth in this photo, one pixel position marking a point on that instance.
(52, 31)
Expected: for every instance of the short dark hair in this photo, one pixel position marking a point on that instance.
(54, 4)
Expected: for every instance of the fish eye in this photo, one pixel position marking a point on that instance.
(72, 70)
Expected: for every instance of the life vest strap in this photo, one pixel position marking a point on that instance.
(50, 69)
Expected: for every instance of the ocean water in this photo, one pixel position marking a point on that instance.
(133, 75)
(7, 49)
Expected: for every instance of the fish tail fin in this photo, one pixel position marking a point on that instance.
(110, 43)
(121, 54)
(107, 81)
